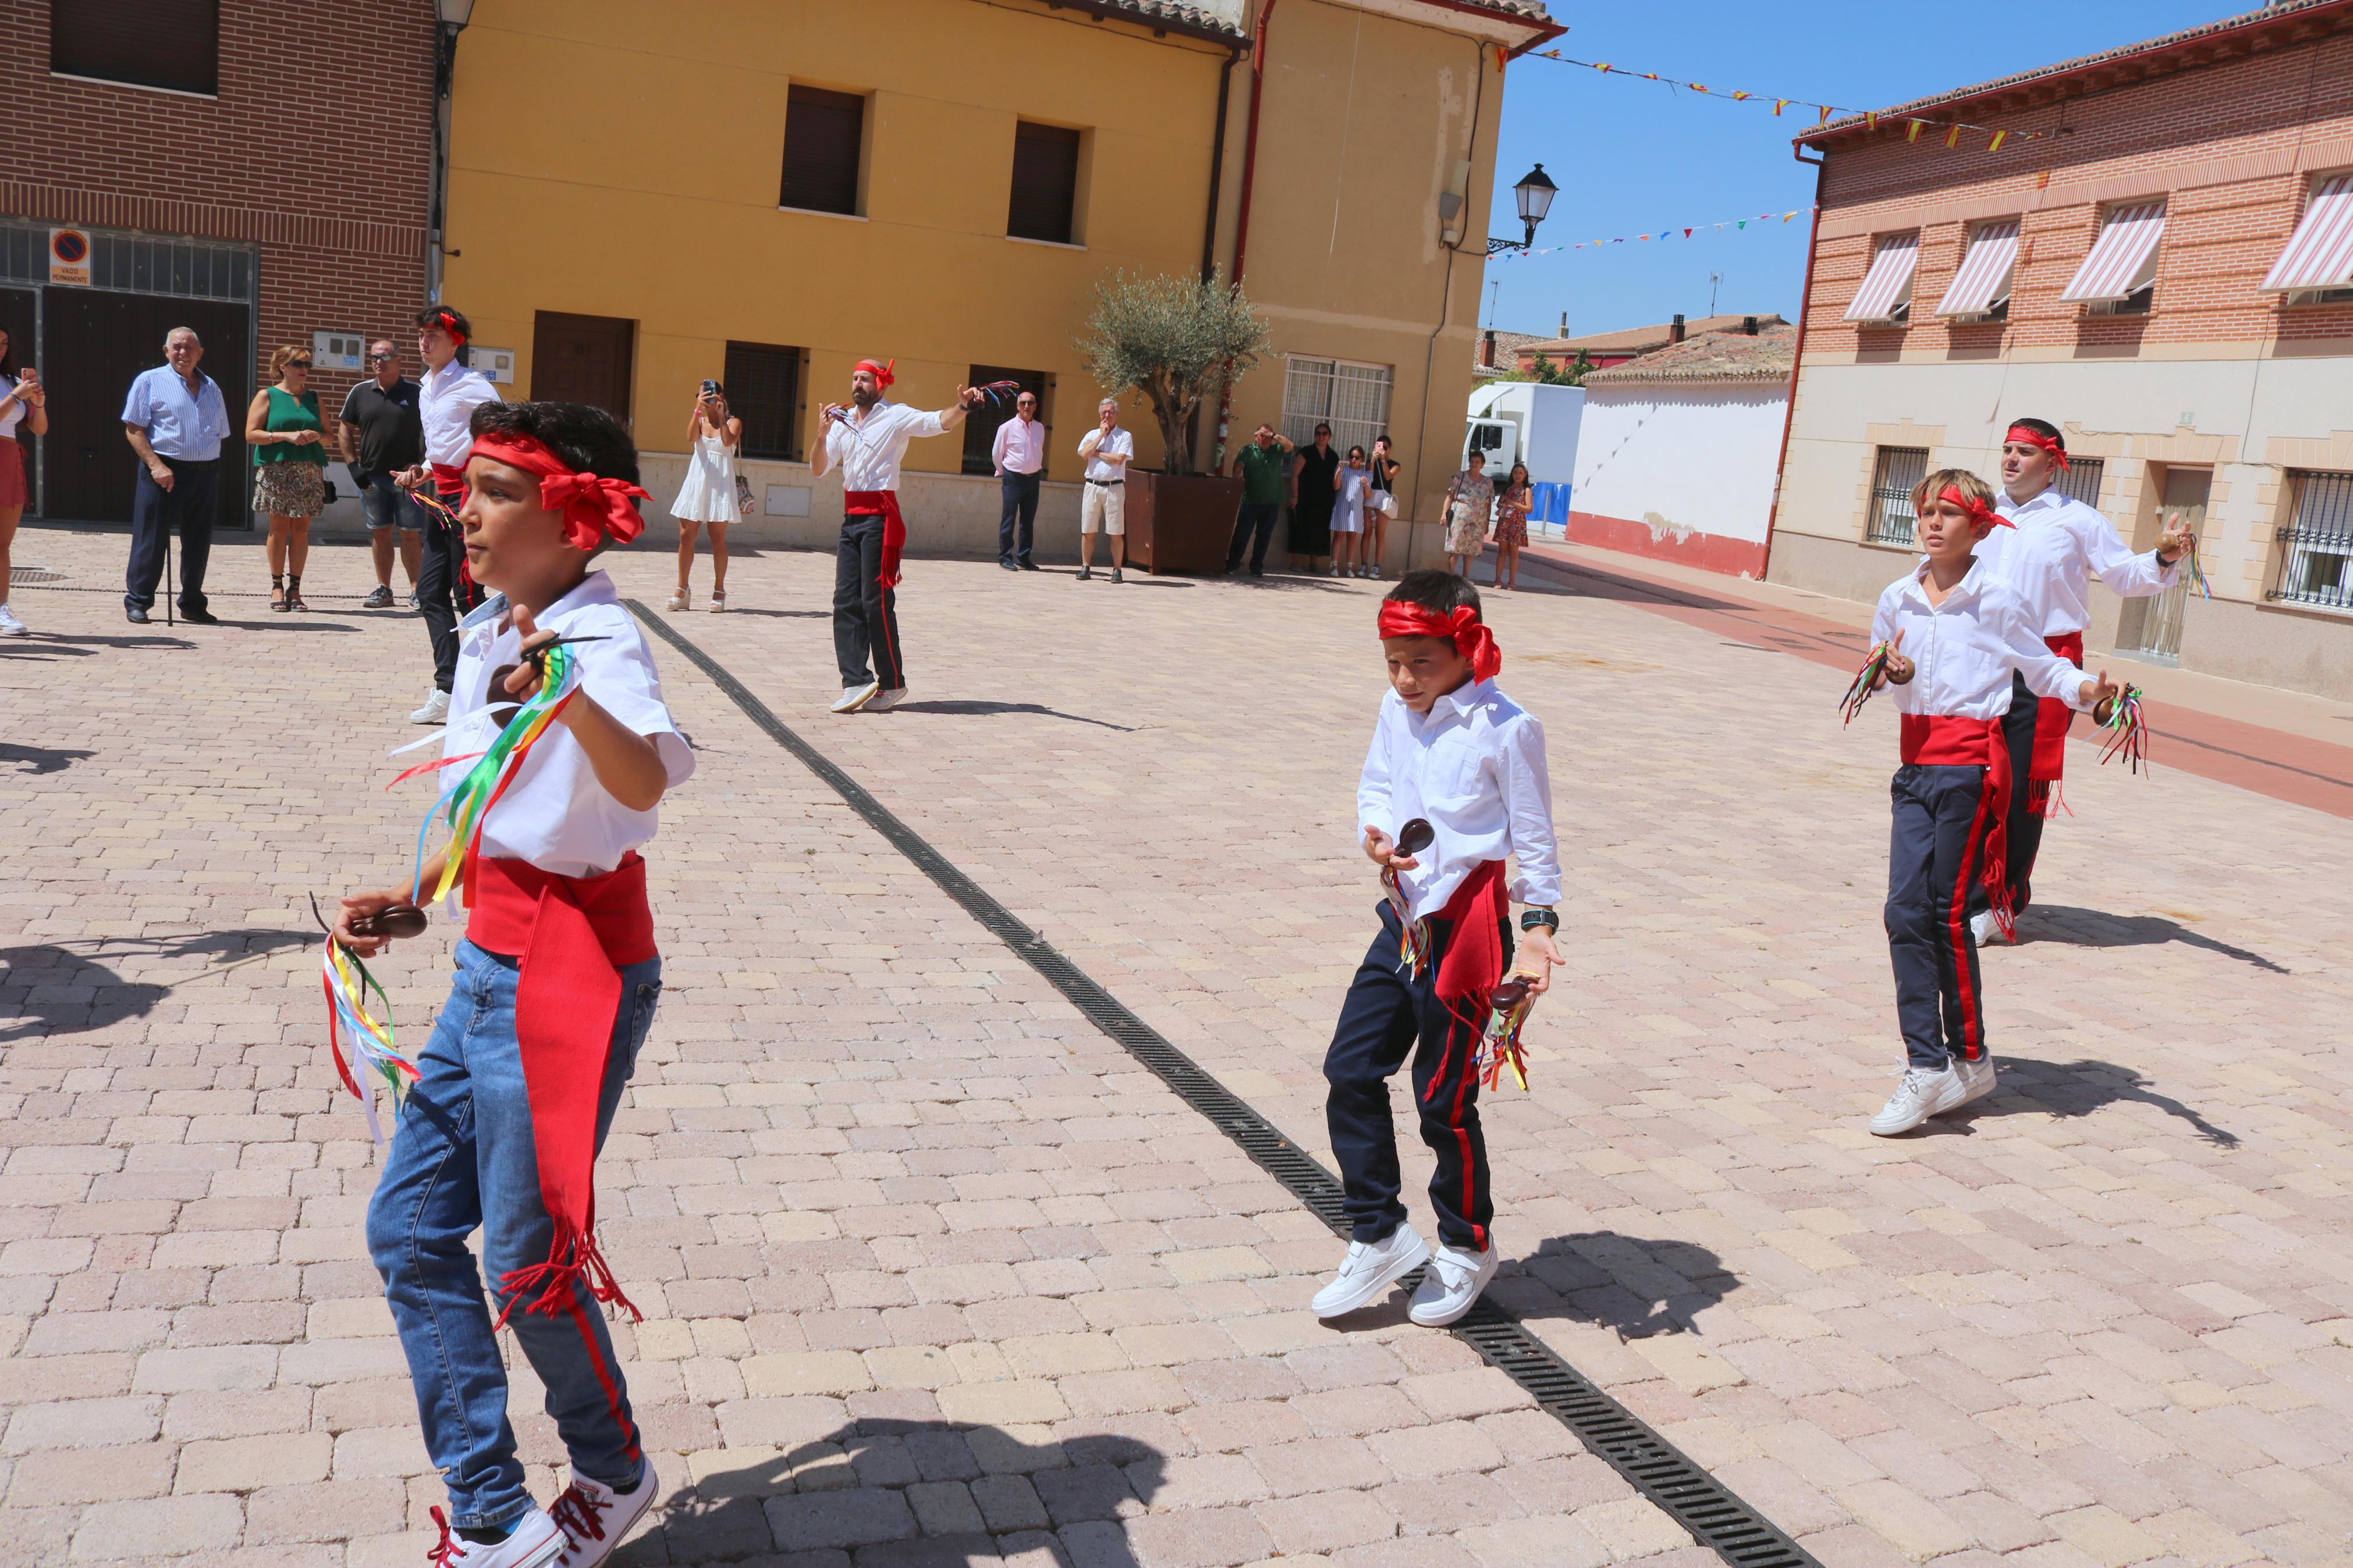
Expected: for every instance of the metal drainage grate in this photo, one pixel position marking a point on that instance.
(28, 576)
(1652, 1466)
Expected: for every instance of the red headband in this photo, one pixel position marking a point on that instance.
(2034, 438)
(882, 372)
(592, 506)
(450, 325)
(1472, 637)
(1979, 511)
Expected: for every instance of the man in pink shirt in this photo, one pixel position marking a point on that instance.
(1018, 455)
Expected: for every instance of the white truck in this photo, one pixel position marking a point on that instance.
(1529, 422)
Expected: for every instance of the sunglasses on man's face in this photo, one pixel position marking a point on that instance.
(383, 359)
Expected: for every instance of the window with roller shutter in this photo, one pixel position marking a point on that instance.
(1045, 183)
(172, 44)
(823, 135)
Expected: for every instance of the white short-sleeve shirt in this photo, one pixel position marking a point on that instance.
(556, 815)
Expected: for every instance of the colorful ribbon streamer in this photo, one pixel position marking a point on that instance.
(1499, 1046)
(2198, 573)
(1000, 392)
(1413, 940)
(1866, 681)
(348, 985)
(2129, 732)
(465, 804)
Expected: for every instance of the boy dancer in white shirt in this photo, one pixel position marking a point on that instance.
(554, 992)
(1451, 750)
(1955, 634)
(869, 444)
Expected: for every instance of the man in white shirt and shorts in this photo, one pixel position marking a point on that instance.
(1103, 509)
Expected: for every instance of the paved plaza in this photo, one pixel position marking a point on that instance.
(935, 1274)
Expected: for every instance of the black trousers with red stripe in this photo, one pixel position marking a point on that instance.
(865, 612)
(1931, 863)
(1387, 1015)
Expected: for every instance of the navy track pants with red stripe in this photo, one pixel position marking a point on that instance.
(1387, 1016)
(1932, 862)
(865, 612)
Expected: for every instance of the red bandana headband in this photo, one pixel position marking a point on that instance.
(1979, 511)
(2033, 437)
(882, 372)
(448, 324)
(592, 508)
(1472, 637)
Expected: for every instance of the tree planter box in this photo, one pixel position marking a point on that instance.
(1180, 523)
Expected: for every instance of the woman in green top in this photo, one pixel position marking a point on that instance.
(289, 460)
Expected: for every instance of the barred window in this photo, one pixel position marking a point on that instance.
(2317, 549)
(764, 385)
(1353, 398)
(1893, 479)
(2080, 480)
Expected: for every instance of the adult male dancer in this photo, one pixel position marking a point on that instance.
(448, 394)
(869, 439)
(2048, 555)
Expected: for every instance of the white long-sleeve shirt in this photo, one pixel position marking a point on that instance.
(1019, 446)
(1474, 767)
(2054, 548)
(1095, 446)
(871, 449)
(445, 401)
(1964, 650)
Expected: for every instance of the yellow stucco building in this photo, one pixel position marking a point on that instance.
(763, 192)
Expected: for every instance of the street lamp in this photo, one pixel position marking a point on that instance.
(1535, 192)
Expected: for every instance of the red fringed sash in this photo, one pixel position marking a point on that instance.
(1474, 965)
(572, 936)
(1941, 740)
(2051, 719)
(867, 503)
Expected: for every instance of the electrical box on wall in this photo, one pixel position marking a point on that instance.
(496, 365)
(339, 351)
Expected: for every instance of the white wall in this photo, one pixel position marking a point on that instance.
(1682, 458)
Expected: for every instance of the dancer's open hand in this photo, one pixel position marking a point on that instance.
(2176, 541)
(1541, 946)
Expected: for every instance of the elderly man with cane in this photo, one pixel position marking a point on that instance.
(176, 419)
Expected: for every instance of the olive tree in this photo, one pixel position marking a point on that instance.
(1175, 340)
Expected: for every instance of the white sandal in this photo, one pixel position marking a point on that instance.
(718, 600)
(681, 600)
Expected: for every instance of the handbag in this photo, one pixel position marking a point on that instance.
(1387, 503)
(742, 496)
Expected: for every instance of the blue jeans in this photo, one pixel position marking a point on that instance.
(386, 504)
(462, 1158)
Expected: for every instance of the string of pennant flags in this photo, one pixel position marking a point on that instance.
(1671, 231)
(1952, 130)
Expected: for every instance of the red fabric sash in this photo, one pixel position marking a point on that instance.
(571, 935)
(1474, 965)
(1941, 740)
(446, 478)
(867, 503)
(2051, 719)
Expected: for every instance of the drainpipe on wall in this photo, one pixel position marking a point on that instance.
(1242, 216)
(1209, 224)
(452, 16)
(1796, 361)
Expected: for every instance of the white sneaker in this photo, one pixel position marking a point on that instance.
(1450, 1286)
(853, 697)
(1922, 1094)
(10, 627)
(435, 711)
(594, 1517)
(1977, 1079)
(1984, 928)
(883, 701)
(534, 1544)
(1371, 1268)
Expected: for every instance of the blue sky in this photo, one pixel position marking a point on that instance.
(1631, 157)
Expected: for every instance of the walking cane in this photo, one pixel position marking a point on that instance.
(169, 596)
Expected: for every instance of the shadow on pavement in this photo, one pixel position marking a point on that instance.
(971, 708)
(50, 642)
(1638, 1286)
(2096, 928)
(48, 989)
(774, 614)
(2070, 1089)
(39, 760)
(936, 1494)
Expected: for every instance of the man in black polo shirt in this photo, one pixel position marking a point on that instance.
(384, 413)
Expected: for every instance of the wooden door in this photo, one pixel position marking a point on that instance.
(583, 359)
(93, 342)
(19, 311)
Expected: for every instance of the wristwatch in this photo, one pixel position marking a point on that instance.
(1530, 919)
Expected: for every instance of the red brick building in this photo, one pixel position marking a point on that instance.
(2158, 258)
(257, 173)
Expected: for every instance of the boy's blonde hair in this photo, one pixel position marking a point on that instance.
(1974, 491)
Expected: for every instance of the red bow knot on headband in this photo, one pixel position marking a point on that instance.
(1978, 512)
(449, 325)
(2037, 438)
(592, 507)
(1472, 637)
(883, 375)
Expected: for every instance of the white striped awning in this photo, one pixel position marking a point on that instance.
(1983, 280)
(2320, 252)
(2123, 259)
(1888, 284)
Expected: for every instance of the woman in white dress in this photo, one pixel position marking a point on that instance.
(708, 496)
(1352, 493)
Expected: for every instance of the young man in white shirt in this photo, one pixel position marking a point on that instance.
(1018, 455)
(2053, 547)
(869, 439)
(1956, 638)
(448, 393)
(1103, 507)
(1452, 753)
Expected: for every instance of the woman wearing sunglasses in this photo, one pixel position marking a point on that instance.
(290, 462)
